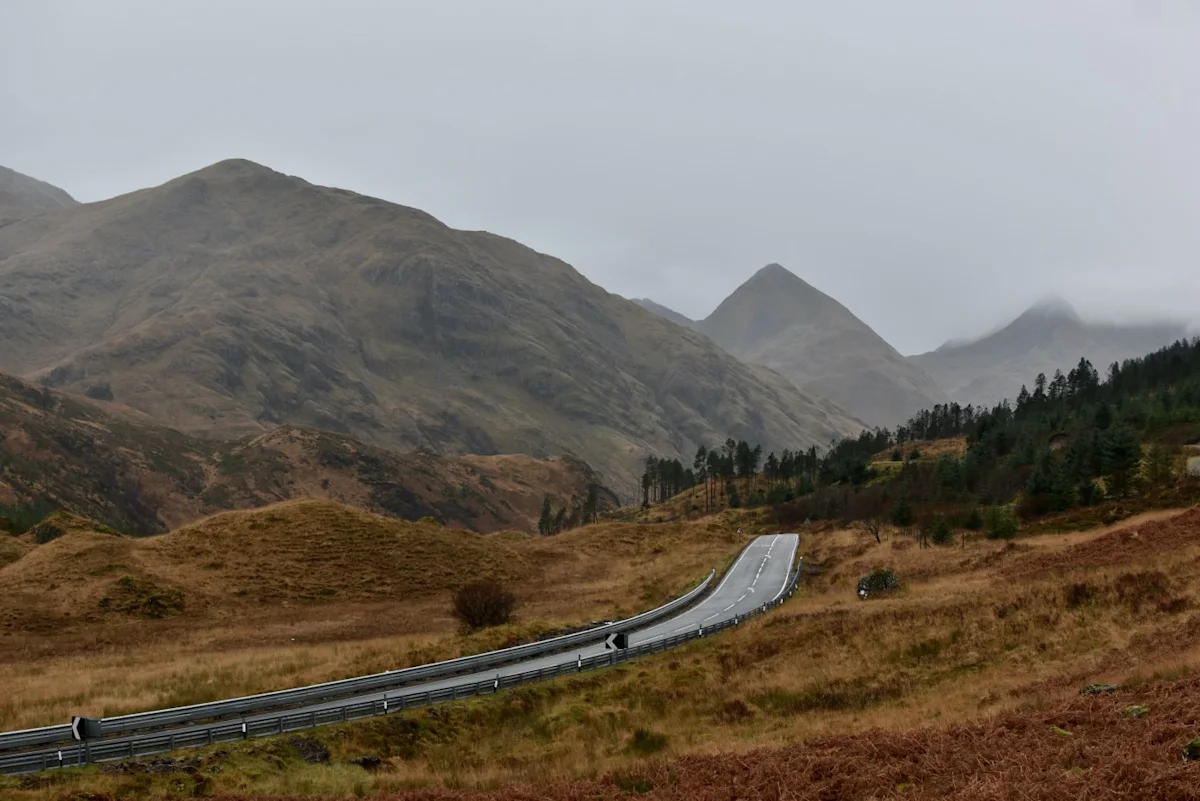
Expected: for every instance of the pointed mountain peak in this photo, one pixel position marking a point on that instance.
(775, 274)
(775, 280)
(241, 173)
(235, 167)
(1053, 307)
(770, 301)
(775, 268)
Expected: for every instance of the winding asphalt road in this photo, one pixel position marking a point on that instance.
(759, 576)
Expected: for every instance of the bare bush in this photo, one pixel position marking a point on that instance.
(484, 602)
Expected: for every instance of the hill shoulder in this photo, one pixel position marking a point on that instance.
(93, 459)
(23, 196)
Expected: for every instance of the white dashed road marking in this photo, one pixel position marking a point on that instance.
(749, 590)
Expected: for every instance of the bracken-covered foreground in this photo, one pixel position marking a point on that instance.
(1128, 744)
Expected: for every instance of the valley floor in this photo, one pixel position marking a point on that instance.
(965, 684)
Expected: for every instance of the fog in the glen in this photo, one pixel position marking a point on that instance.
(936, 165)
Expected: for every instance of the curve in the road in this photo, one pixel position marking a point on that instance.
(757, 578)
(737, 594)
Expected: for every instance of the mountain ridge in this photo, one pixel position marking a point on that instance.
(235, 298)
(22, 196)
(664, 312)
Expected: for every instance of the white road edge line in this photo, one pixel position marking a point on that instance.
(791, 559)
(726, 578)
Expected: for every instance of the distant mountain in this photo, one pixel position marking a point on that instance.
(1048, 336)
(778, 320)
(235, 299)
(665, 313)
(22, 196)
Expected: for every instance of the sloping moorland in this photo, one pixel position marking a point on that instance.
(300, 592)
(963, 684)
(106, 462)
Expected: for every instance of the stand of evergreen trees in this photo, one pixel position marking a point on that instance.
(717, 470)
(1071, 441)
(569, 515)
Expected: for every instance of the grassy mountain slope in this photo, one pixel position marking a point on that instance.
(97, 460)
(22, 196)
(235, 298)
(1046, 337)
(665, 313)
(777, 320)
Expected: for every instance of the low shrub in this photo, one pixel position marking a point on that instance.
(483, 603)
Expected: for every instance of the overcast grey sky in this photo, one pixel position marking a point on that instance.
(936, 165)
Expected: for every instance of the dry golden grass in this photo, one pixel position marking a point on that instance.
(929, 449)
(961, 640)
(303, 592)
(11, 549)
(977, 629)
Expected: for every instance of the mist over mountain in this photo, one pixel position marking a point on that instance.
(1049, 336)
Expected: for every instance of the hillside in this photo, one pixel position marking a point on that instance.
(777, 320)
(311, 550)
(101, 461)
(319, 553)
(965, 683)
(22, 196)
(665, 313)
(299, 592)
(1048, 336)
(234, 299)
